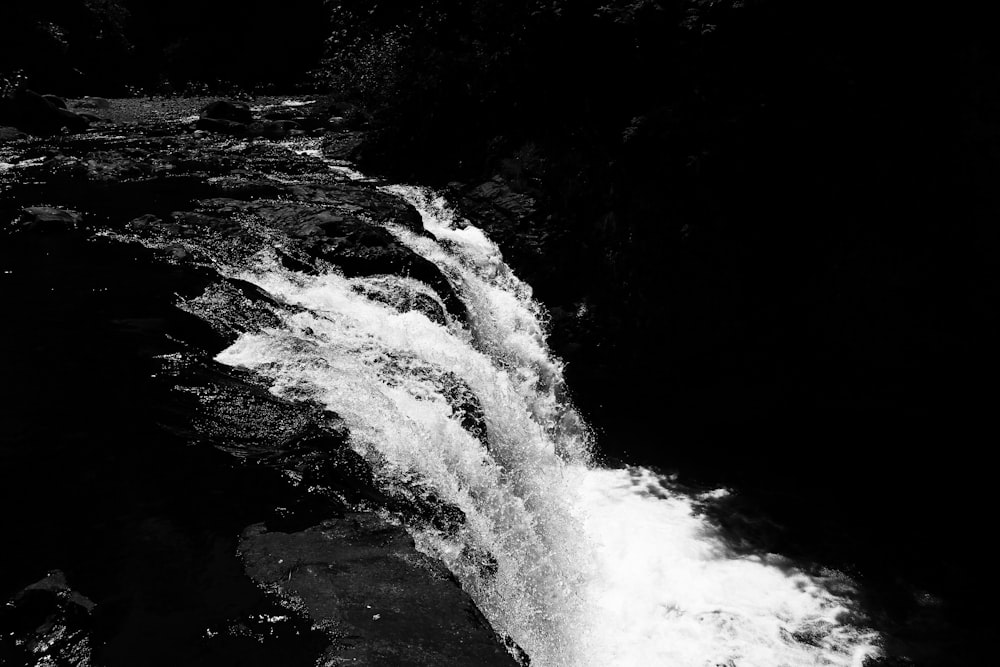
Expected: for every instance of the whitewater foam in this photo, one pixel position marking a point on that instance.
(578, 564)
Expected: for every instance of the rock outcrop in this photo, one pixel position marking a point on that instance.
(381, 602)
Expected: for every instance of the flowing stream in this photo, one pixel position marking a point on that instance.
(577, 563)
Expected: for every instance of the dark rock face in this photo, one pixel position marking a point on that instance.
(380, 601)
(32, 113)
(47, 623)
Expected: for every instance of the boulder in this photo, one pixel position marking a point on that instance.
(381, 602)
(47, 218)
(56, 101)
(222, 126)
(228, 110)
(72, 121)
(94, 103)
(32, 113)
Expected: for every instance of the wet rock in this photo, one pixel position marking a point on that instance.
(47, 218)
(115, 179)
(279, 129)
(71, 121)
(466, 406)
(233, 307)
(498, 193)
(47, 623)
(55, 101)
(403, 298)
(238, 112)
(93, 103)
(337, 122)
(32, 113)
(307, 443)
(145, 222)
(223, 126)
(10, 134)
(380, 601)
(191, 223)
(344, 145)
(285, 113)
(367, 250)
(340, 234)
(354, 199)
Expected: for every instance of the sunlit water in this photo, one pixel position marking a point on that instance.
(578, 564)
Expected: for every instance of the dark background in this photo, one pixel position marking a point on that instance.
(766, 231)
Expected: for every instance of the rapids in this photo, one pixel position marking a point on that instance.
(578, 564)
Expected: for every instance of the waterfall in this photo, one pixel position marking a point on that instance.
(579, 564)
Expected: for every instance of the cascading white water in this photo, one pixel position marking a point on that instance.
(580, 565)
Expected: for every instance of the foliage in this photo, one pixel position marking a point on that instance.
(517, 68)
(112, 46)
(65, 44)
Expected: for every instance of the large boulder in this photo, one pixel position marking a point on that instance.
(228, 110)
(361, 580)
(33, 113)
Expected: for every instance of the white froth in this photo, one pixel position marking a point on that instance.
(668, 592)
(580, 565)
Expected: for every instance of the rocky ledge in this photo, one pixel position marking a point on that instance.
(340, 576)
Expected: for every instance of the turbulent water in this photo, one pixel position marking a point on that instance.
(578, 564)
